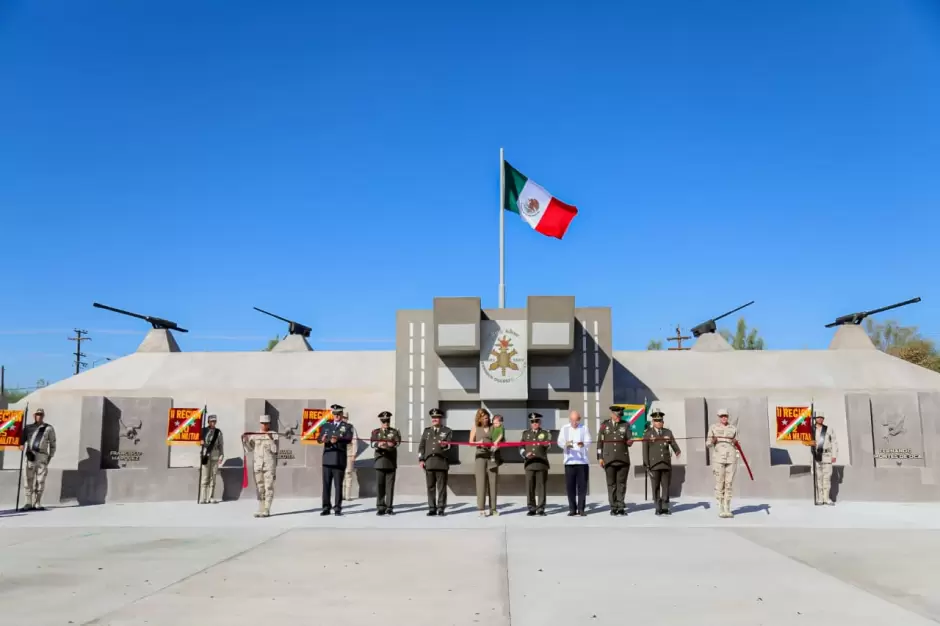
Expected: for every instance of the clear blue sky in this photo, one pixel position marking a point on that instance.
(334, 162)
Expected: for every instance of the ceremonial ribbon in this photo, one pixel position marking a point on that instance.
(519, 444)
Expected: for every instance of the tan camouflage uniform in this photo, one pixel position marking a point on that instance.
(830, 451)
(40, 443)
(210, 471)
(350, 462)
(264, 454)
(724, 461)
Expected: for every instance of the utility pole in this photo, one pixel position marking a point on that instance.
(3, 389)
(78, 339)
(678, 339)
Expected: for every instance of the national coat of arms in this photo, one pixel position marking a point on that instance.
(529, 206)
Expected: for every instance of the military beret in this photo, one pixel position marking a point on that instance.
(212, 418)
(385, 416)
(337, 408)
(436, 413)
(722, 412)
(265, 419)
(534, 417)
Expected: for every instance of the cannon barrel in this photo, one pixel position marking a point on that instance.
(294, 328)
(710, 326)
(856, 318)
(155, 322)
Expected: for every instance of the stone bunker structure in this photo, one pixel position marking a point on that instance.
(551, 357)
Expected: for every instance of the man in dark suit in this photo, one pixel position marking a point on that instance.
(335, 437)
(657, 444)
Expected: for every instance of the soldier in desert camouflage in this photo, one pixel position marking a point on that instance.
(721, 440)
(211, 456)
(825, 449)
(263, 446)
(39, 439)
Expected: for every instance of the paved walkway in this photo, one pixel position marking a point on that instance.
(775, 564)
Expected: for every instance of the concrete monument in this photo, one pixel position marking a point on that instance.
(550, 357)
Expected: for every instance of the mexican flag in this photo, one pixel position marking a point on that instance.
(544, 213)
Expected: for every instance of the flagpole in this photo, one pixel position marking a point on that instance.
(502, 232)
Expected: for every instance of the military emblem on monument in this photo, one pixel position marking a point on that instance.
(505, 364)
(292, 434)
(893, 429)
(131, 433)
(121, 447)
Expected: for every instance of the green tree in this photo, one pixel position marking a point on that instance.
(743, 339)
(904, 342)
(14, 395)
(654, 344)
(271, 344)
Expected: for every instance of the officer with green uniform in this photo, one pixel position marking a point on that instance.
(385, 441)
(433, 459)
(657, 442)
(535, 459)
(613, 443)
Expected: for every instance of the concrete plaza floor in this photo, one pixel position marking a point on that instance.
(178, 563)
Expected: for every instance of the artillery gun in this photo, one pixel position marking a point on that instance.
(293, 328)
(856, 318)
(710, 326)
(158, 323)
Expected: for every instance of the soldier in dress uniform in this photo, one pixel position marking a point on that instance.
(613, 443)
(39, 439)
(385, 441)
(211, 457)
(825, 449)
(535, 458)
(335, 437)
(263, 446)
(433, 459)
(721, 439)
(657, 460)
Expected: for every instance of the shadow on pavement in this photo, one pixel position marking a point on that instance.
(752, 508)
(688, 506)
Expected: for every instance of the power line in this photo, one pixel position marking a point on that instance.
(78, 339)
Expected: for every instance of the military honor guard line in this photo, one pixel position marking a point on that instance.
(488, 437)
(659, 445)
